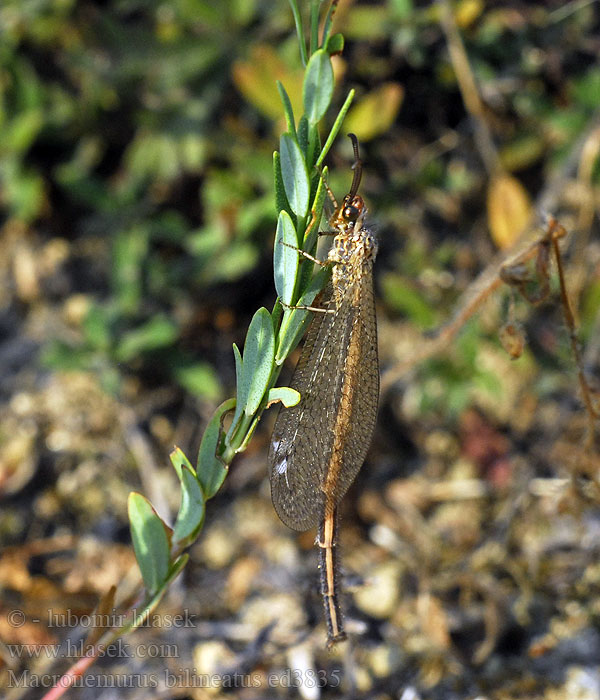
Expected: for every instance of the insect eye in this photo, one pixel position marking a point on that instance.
(351, 213)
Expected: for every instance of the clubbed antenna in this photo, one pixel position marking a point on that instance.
(357, 167)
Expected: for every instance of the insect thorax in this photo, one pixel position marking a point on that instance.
(351, 253)
(354, 246)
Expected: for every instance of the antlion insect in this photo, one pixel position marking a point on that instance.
(319, 445)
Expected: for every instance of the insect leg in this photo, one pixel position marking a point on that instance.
(328, 565)
(308, 256)
(307, 308)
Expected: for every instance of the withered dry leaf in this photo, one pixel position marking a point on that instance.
(508, 209)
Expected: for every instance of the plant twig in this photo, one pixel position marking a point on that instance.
(468, 88)
(488, 280)
(592, 412)
(471, 301)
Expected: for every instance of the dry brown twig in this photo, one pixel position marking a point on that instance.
(471, 301)
(468, 88)
(511, 267)
(534, 287)
(586, 391)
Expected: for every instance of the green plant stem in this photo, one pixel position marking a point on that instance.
(299, 30)
(337, 125)
(314, 25)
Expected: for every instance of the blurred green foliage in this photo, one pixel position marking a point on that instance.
(116, 125)
(142, 132)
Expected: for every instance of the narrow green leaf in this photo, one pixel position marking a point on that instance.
(295, 321)
(178, 459)
(249, 433)
(156, 333)
(150, 541)
(191, 510)
(240, 399)
(277, 313)
(238, 364)
(210, 470)
(299, 30)
(337, 125)
(328, 22)
(294, 174)
(314, 146)
(317, 90)
(259, 352)
(315, 6)
(286, 395)
(200, 379)
(285, 259)
(287, 108)
(303, 136)
(281, 200)
(311, 235)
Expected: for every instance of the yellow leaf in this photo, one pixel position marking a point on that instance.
(509, 210)
(376, 112)
(256, 80)
(467, 11)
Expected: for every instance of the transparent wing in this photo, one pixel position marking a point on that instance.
(360, 393)
(304, 435)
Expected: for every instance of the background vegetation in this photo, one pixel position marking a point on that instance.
(136, 142)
